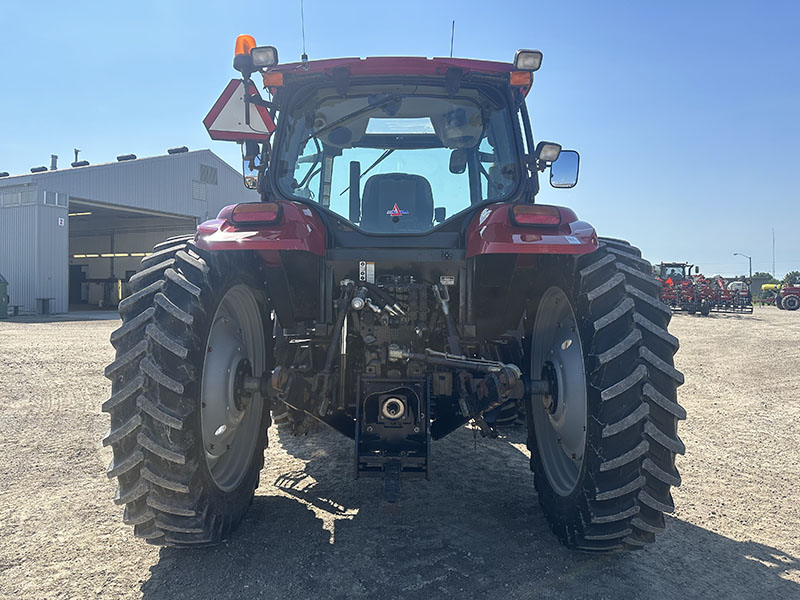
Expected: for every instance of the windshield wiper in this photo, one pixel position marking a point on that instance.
(385, 154)
(352, 115)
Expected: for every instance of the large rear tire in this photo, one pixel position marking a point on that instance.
(188, 447)
(790, 302)
(603, 446)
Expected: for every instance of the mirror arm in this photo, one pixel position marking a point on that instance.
(536, 164)
(262, 170)
(259, 101)
(252, 98)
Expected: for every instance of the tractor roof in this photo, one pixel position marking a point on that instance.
(396, 65)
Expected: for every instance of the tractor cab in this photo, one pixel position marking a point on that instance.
(388, 146)
(676, 272)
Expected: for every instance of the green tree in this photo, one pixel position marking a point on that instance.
(792, 278)
(764, 274)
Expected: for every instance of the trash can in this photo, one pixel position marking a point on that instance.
(3, 297)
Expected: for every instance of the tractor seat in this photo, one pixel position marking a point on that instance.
(397, 202)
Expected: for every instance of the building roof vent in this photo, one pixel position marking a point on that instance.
(4, 174)
(80, 163)
(38, 169)
(179, 150)
(124, 157)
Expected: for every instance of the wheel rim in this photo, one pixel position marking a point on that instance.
(791, 302)
(559, 420)
(230, 420)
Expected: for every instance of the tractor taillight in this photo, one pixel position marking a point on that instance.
(272, 80)
(540, 215)
(520, 78)
(264, 213)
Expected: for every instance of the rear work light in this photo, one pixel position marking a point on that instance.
(264, 213)
(528, 60)
(540, 215)
(264, 56)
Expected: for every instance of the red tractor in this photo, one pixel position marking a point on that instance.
(787, 297)
(683, 290)
(395, 281)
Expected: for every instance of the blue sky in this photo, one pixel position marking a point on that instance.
(685, 113)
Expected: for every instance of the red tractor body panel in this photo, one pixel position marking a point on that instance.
(299, 228)
(492, 232)
(790, 290)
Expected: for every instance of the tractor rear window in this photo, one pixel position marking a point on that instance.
(398, 161)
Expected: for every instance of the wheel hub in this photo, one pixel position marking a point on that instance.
(241, 397)
(230, 412)
(550, 399)
(560, 418)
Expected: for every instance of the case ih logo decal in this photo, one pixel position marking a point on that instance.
(396, 212)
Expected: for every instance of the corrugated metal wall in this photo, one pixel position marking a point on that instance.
(34, 248)
(167, 184)
(18, 245)
(52, 275)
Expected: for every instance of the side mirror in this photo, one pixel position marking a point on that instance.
(458, 161)
(251, 162)
(439, 214)
(564, 170)
(697, 270)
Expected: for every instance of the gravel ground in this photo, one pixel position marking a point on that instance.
(475, 530)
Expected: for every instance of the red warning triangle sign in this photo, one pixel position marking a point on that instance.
(227, 119)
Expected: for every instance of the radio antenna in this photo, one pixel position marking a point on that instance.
(304, 57)
(452, 35)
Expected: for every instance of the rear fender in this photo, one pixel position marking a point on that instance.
(299, 229)
(493, 232)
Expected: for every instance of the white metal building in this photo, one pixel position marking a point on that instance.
(73, 236)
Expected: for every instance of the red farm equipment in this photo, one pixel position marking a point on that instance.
(395, 281)
(732, 296)
(786, 297)
(683, 290)
(690, 291)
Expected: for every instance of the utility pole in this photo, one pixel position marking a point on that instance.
(773, 253)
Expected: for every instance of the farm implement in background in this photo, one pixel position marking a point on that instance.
(685, 289)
